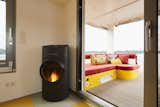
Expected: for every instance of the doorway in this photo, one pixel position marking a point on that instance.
(113, 49)
(103, 56)
(108, 85)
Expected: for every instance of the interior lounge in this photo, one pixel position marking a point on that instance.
(79, 53)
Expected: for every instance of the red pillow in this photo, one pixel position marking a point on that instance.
(87, 56)
(132, 55)
(123, 58)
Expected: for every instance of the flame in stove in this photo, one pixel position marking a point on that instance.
(53, 77)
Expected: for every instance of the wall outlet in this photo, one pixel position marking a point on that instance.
(7, 84)
(10, 84)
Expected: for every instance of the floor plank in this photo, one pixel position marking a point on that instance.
(21, 102)
(36, 100)
(122, 93)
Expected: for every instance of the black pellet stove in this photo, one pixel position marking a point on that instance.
(54, 72)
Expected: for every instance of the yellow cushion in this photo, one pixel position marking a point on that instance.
(98, 59)
(127, 74)
(116, 61)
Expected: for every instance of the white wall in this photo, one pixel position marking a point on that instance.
(71, 32)
(39, 22)
(97, 39)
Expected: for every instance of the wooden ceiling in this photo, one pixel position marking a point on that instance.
(109, 13)
(59, 2)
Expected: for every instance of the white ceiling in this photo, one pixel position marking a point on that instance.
(108, 13)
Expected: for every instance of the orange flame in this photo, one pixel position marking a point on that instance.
(53, 77)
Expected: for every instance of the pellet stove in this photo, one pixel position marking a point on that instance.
(54, 72)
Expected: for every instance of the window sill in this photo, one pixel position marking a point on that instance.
(6, 70)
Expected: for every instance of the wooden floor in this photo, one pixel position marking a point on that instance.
(122, 93)
(36, 100)
(21, 102)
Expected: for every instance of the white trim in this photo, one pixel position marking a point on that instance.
(6, 69)
(96, 100)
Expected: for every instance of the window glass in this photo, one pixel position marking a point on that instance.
(2, 30)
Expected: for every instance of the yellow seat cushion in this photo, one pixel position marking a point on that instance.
(127, 74)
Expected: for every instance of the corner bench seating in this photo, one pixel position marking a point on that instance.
(96, 75)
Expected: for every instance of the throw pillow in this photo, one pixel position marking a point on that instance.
(98, 59)
(123, 58)
(116, 61)
(132, 61)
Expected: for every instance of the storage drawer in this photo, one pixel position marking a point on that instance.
(95, 80)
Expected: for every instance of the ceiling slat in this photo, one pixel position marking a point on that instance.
(121, 12)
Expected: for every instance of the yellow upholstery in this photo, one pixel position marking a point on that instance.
(127, 74)
(100, 78)
(97, 79)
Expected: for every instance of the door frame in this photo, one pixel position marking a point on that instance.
(150, 58)
(80, 58)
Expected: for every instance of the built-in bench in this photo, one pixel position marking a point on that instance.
(99, 74)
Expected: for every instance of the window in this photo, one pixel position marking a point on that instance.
(3, 30)
(133, 35)
(7, 35)
(97, 39)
